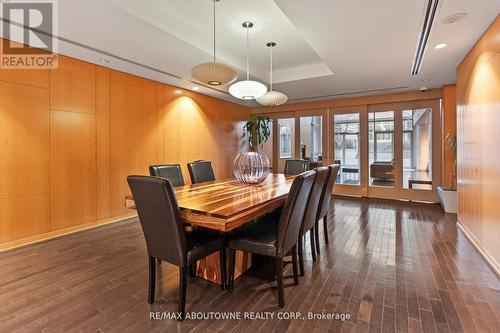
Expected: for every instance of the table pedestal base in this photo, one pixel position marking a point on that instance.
(208, 268)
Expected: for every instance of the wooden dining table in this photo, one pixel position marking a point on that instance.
(225, 205)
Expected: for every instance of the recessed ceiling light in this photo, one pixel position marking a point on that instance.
(178, 92)
(196, 88)
(440, 46)
(104, 61)
(450, 19)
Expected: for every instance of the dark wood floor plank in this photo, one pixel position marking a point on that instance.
(439, 316)
(388, 320)
(427, 321)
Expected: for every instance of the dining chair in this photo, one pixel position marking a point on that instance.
(166, 237)
(324, 205)
(309, 222)
(201, 171)
(276, 237)
(172, 172)
(296, 167)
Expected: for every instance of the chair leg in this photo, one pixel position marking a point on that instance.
(279, 278)
(222, 258)
(192, 270)
(152, 279)
(232, 254)
(182, 290)
(325, 228)
(294, 266)
(301, 255)
(313, 246)
(316, 236)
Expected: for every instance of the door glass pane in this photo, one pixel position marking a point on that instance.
(286, 142)
(346, 146)
(286, 130)
(381, 148)
(311, 138)
(417, 149)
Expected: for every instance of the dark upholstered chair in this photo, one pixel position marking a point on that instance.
(172, 172)
(273, 238)
(201, 171)
(296, 167)
(310, 218)
(166, 237)
(324, 205)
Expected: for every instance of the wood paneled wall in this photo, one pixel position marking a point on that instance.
(71, 136)
(478, 93)
(449, 126)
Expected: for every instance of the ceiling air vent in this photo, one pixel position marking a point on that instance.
(428, 19)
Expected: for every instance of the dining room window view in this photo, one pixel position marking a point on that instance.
(417, 149)
(381, 147)
(249, 166)
(347, 144)
(287, 137)
(311, 138)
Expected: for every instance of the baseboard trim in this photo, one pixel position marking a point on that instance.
(495, 266)
(62, 232)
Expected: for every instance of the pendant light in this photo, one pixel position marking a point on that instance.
(272, 98)
(247, 89)
(214, 73)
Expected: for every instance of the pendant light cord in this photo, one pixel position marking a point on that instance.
(214, 30)
(271, 68)
(248, 66)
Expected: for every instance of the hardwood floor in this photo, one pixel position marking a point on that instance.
(392, 266)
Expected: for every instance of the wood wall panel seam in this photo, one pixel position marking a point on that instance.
(23, 84)
(69, 111)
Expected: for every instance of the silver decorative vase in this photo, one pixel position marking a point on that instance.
(251, 167)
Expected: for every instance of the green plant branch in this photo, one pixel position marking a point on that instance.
(257, 129)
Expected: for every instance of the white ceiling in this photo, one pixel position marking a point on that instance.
(326, 48)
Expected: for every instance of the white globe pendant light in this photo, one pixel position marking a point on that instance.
(272, 98)
(214, 73)
(247, 89)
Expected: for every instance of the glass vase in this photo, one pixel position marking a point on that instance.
(251, 167)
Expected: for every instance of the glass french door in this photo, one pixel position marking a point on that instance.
(300, 135)
(285, 134)
(404, 150)
(349, 148)
(390, 150)
(311, 138)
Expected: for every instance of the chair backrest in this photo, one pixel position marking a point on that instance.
(293, 212)
(160, 218)
(201, 171)
(172, 172)
(296, 167)
(314, 201)
(326, 195)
